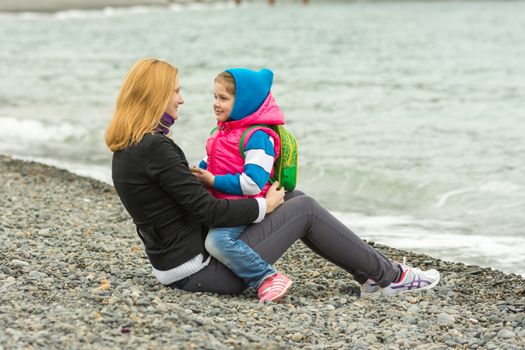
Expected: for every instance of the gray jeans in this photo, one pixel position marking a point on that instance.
(300, 217)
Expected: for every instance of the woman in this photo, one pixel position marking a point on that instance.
(172, 211)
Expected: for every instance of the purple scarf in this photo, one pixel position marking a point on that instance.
(165, 123)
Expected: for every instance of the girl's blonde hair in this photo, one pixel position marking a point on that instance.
(142, 100)
(227, 80)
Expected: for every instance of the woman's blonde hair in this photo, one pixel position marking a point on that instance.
(142, 100)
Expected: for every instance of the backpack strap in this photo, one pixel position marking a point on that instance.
(213, 130)
(241, 142)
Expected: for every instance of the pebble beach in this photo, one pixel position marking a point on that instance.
(73, 274)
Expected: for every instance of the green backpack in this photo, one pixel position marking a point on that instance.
(285, 166)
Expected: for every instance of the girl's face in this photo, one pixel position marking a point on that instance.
(223, 103)
(175, 101)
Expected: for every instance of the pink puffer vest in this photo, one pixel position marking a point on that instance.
(222, 148)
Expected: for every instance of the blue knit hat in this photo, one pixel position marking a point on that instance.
(251, 89)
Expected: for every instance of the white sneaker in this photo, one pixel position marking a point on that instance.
(412, 280)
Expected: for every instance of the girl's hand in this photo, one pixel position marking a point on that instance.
(194, 169)
(205, 177)
(274, 197)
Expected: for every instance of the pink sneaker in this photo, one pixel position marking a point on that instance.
(274, 288)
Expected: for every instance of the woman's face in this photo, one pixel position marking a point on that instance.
(223, 102)
(175, 101)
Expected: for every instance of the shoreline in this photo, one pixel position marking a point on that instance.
(73, 274)
(105, 177)
(64, 5)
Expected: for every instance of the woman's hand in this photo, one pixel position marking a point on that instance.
(205, 177)
(274, 197)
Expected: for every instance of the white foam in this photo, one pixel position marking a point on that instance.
(191, 6)
(104, 12)
(492, 187)
(23, 15)
(442, 200)
(405, 232)
(120, 11)
(499, 187)
(28, 131)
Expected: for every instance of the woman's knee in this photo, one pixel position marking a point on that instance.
(214, 278)
(306, 203)
(292, 194)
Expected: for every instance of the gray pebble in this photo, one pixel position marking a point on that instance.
(19, 263)
(6, 270)
(413, 309)
(506, 334)
(445, 319)
(35, 275)
(451, 343)
(491, 346)
(297, 337)
(409, 320)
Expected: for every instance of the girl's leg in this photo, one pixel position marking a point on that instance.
(223, 244)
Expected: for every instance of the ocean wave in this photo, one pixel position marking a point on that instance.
(108, 11)
(203, 6)
(28, 131)
(443, 198)
(111, 11)
(104, 12)
(442, 239)
(492, 187)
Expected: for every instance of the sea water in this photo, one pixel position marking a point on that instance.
(410, 116)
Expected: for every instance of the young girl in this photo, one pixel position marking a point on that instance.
(243, 99)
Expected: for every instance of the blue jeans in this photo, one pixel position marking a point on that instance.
(223, 244)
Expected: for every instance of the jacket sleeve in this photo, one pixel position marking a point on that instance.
(258, 164)
(165, 162)
(203, 164)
